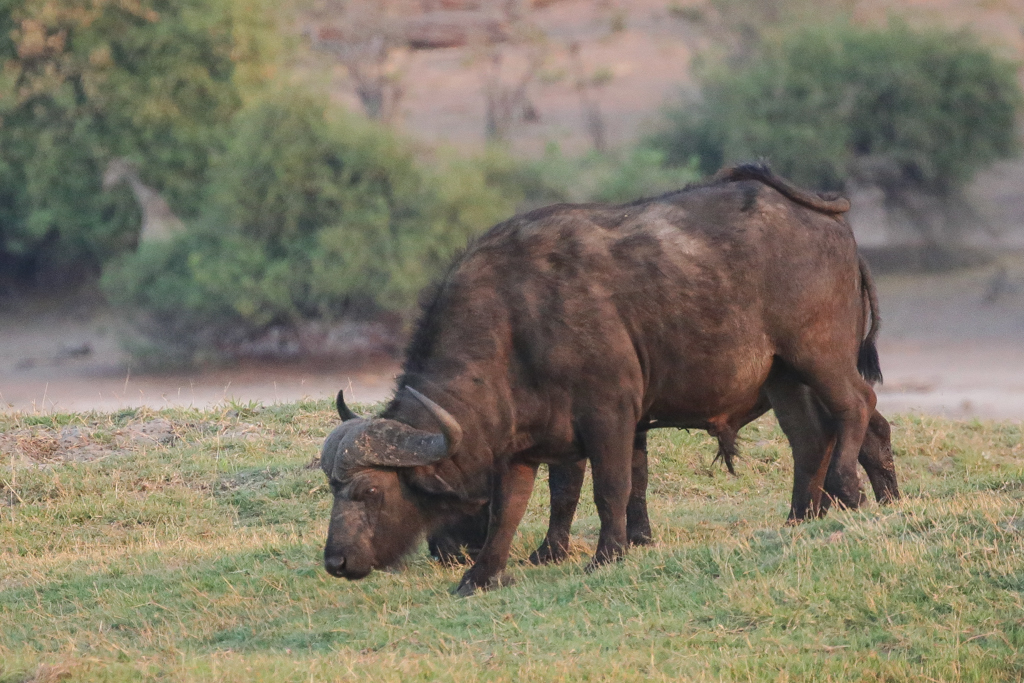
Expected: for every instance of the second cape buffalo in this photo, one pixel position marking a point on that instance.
(561, 330)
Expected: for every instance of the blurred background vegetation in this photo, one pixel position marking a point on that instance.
(83, 83)
(915, 113)
(269, 205)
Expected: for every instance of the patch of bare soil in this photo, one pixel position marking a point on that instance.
(82, 443)
(953, 344)
(44, 446)
(62, 358)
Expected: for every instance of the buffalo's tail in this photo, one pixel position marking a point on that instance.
(762, 173)
(867, 360)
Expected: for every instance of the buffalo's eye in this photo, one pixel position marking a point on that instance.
(366, 494)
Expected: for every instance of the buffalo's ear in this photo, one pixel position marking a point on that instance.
(343, 410)
(428, 481)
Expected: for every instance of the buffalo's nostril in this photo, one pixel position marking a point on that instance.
(334, 565)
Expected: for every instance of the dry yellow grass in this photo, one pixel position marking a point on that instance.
(198, 558)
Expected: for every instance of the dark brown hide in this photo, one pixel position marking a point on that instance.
(566, 482)
(561, 330)
(462, 539)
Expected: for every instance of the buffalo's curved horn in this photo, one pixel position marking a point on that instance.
(449, 425)
(343, 410)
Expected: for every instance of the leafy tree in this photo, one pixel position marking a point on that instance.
(312, 214)
(916, 113)
(81, 83)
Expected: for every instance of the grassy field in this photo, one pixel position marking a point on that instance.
(186, 546)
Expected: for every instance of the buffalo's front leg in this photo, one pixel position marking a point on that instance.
(460, 540)
(509, 497)
(565, 483)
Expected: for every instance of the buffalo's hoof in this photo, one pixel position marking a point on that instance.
(548, 554)
(889, 496)
(465, 589)
(638, 529)
(641, 539)
(600, 559)
(468, 586)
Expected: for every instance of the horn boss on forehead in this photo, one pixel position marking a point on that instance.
(379, 443)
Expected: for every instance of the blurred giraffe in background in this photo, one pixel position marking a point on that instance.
(158, 221)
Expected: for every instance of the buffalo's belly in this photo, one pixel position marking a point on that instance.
(692, 394)
(551, 453)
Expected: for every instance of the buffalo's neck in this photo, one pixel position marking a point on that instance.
(481, 407)
(462, 356)
(479, 404)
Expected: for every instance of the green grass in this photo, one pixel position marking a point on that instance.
(197, 558)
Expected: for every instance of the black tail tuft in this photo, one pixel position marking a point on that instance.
(727, 449)
(867, 362)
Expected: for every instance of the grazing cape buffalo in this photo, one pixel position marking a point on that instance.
(561, 330)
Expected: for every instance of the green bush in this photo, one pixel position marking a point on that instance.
(153, 80)
(929, 108)
(619, 176)
(312, 214)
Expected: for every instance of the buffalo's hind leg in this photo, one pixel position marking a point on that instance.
(811, 440)
(850, 401)
(565, 483)
(638, 524)
(812, 433)
(876, 458)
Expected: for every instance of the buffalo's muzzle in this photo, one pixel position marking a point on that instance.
(336, 565)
